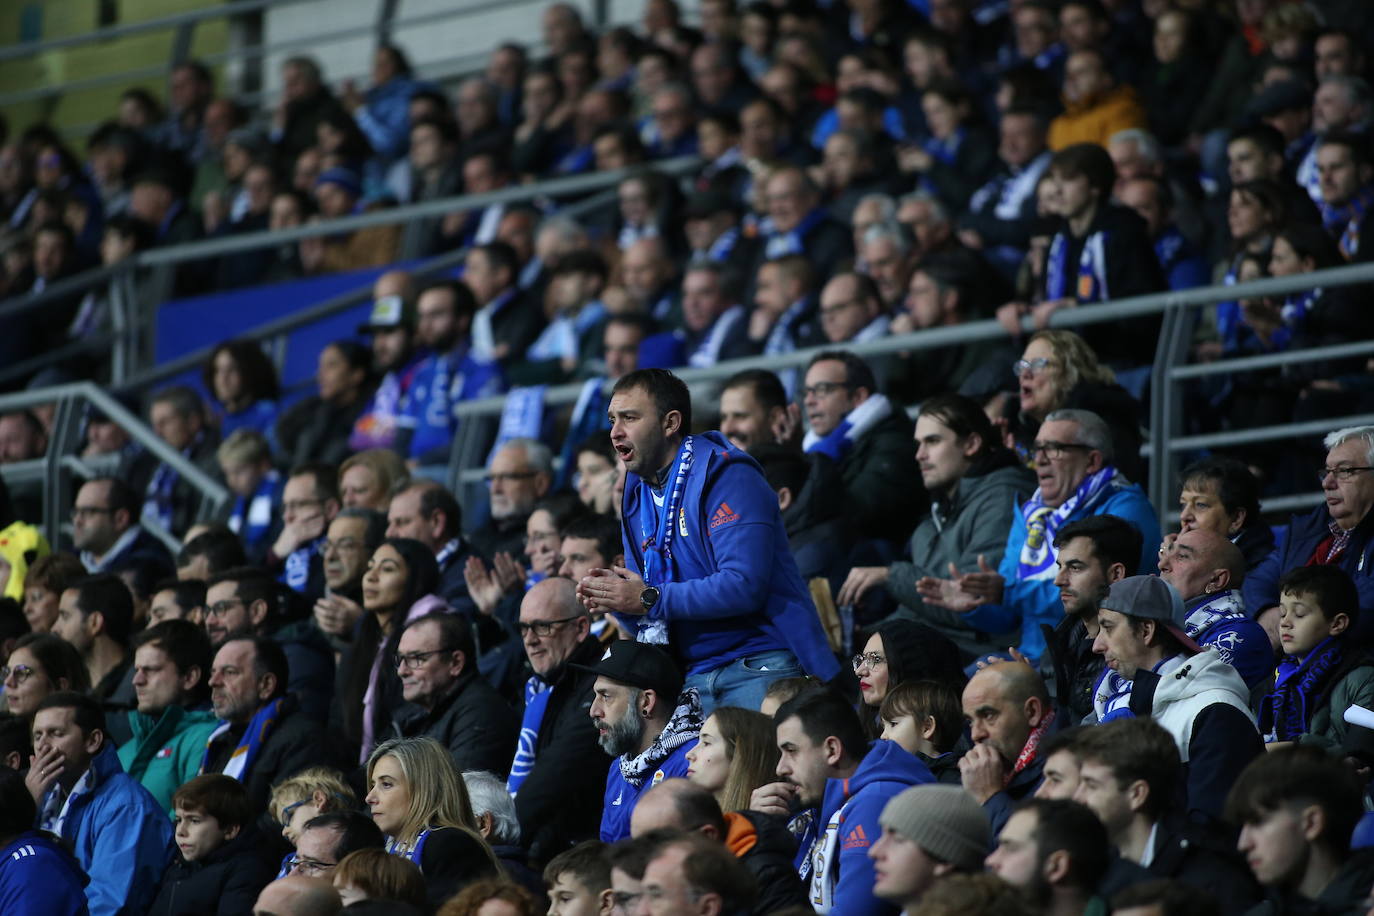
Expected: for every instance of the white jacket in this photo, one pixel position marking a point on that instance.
(1188, 685)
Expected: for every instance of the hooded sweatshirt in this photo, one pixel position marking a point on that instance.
(838, 871)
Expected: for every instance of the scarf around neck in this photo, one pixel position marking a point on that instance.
(1299, 686)
(250, 745)
(658, 516)
(1031, 749)
(1042, 522)
(684, 725)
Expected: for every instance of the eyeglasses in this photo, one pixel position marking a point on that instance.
(413, 660)
(299, 866)
(221, 608)
(871, 659)
(1341, 473)
(1056, 450)
(823, 389)
(1034, 366)
(290, 810)
(509, 476)
(21, 673)
(88, 511)
(543, 627)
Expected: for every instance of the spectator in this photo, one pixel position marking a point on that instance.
(1151, 198)
(1000, 213)
(446, 699)
(645, 720)
(367, 479)
(428, 513)
(95, 617)
(797, 225)
(1091, 554)
(1078, 481)
(622, 339)
(647, 274)
(503, 893)
(47, 579)
(558, 775)
(897, 651)
(22, 437)
(1055, 851)
(974, 485)
(262, 736)
(852, 309)
(398, 587)
(754, 410)
(1221, 495)
(374, 874)
(41, 664)
(811, 499)
(245, 460)
(651, 411)
(396, 355)
(670, 128)
(331, 836)
(37, 875)
(170, 724)
(1009, 715)
(219, 870)
(497, 823)
(1202, 704)
(733, 756)
(316, 428)
(1207, 570)
(925, 719)
(1344, 175)
(928, 832)
(419, 801)
(1095, 105)
(573, 337)
(691, 872)
(505, 323)
(1130, 774)
(1349, 492)
(298, 896)
(579, 880)
(212, 550)
(305, 101)
(105, 529)
(1321, 670)
(299, 799)
(177, 599)
(245, 602)
(309, 502)
(244, 385)
(382, 112)
(858, 428)
(117, 831)
(518, 475)
(157, 199)
(1300, 868)
(784, 317)
(351, 539)
(596, 474)
(826, 766)
(716, 325)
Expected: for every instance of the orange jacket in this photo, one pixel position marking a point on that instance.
(1095, 120)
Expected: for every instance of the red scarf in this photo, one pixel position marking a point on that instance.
(1028, 753)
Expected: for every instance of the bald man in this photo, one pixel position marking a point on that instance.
(762, 843)
(298, 896)
(1207, 571)
(1009, 713)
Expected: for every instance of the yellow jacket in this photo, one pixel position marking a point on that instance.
(1095, 120)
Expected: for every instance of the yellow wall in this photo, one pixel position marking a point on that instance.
(61, 18)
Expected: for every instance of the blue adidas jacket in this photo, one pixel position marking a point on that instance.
(122, 838)
(1033, 602)
(621, 794)
(735, 587)
(40, 878)
(885, 771)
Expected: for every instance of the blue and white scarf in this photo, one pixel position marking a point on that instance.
(1043, 522)
(522, 417)
(658, 522)
(779, 244)
(483, 337)
(296, 569)
(1090, 280)
(855, 425)
(1112, 695)
(1345, 222)
(721, 248)
(1299, 685)
(537, 693)
(707, 353)
(588, 419)
(251, 519)
(254, 736)
(52, 816)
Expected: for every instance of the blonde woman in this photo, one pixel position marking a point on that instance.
(418, 799)
(1057, 370)
(368, 478)
(735, 754)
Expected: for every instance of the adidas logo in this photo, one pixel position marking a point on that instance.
(857, 838)
(723, 516)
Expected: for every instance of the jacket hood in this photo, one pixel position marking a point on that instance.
(997, 458)
(1196, 675)
(749, 831)
(886, 761)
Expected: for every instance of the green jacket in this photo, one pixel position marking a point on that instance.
(166, 752)
(1328, 729)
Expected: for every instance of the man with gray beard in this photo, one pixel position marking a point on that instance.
(645, 720)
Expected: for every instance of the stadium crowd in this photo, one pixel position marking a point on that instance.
(823, 658)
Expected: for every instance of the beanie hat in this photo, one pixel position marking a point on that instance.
(944, 821)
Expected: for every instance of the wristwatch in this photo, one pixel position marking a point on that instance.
(648, 598)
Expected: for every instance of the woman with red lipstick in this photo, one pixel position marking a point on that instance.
(898, 651)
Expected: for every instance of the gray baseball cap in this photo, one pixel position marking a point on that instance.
(1151, 598)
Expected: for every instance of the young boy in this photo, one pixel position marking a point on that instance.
(1322, 672)
(579, 881)
(246, 460)
(220, 868)
(926, 719)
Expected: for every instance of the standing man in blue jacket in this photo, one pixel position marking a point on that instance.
(118, 832)
(1073, 455)
(708, 572)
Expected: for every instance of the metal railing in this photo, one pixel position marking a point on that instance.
(57, 470)
(1168, 371)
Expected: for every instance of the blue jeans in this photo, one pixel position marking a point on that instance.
(744, 681)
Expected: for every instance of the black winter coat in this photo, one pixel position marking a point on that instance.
(226, 883)
(477, 726)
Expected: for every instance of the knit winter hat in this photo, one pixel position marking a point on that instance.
(944, 821)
